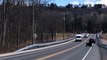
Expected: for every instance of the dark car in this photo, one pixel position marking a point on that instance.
(91, 41)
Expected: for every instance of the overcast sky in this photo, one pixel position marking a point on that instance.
(65, 2)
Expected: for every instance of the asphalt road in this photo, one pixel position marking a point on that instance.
(69, 51)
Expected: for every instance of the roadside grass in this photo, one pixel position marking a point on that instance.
(59, 36)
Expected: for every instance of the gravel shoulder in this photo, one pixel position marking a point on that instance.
(103, 53)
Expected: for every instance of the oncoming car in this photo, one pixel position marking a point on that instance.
(78, 37)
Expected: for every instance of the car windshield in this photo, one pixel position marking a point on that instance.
(78, 36)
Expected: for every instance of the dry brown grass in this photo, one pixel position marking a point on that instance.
(59, 36)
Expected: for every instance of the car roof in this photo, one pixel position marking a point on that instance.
(78, 34)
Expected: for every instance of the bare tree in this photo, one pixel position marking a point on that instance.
(18, 31)
(33, 24)
(5, 22)
(34, 21)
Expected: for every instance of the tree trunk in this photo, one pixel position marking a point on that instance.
(5, 24)
(4, 32)
(33, 24)
(18, 36)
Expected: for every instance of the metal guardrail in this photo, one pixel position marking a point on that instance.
(34, 46)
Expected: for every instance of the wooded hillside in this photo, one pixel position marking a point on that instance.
(20, 20)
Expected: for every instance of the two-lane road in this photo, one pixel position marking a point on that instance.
(68, 51)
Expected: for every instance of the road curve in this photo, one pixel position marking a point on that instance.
(69, 51)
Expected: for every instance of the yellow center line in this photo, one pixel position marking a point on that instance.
(49, 56)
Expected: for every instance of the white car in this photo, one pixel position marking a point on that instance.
(88, 34)
(78, 37)
(85, 35)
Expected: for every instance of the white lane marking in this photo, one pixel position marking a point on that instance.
(13, 53)
(87, 53)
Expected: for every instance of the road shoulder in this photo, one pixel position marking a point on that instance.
(94, 53)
